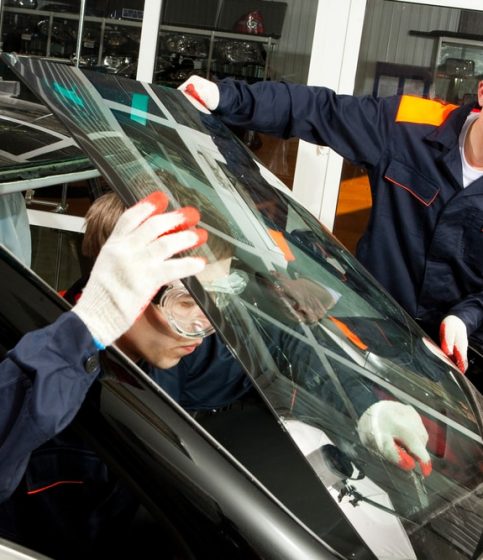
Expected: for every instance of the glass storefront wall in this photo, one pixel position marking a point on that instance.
(110, 31)
(415, 48)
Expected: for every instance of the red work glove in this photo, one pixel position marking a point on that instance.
(201, 91)
(396, 431)
(134, 263)
(453, 338)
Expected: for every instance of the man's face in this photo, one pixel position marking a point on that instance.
(153, 339)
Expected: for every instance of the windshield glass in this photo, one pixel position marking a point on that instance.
(318, 336)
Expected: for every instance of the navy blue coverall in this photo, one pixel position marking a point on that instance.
(43, 383)
(424, 240)
(56, 495)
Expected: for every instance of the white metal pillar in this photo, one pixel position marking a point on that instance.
(148, 46)
(335, 53)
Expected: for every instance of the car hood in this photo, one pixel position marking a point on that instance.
(317, 374)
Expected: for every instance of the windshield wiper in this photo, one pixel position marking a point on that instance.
(355, 497)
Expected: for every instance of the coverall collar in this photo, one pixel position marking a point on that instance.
(445, 137)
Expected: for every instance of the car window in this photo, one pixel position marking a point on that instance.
(34, 143)
(319, 337)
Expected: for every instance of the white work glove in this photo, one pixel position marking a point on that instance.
(201, 91)
(396, 431)
(453, 338)
(134, 263)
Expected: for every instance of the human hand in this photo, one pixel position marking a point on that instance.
(135, 262)
(396, 431)
(453, 338)
(307, 301)
(199, 90)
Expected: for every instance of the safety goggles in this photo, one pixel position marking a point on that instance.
(185, 316)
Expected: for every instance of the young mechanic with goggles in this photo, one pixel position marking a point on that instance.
(45, 378)
(40, 454)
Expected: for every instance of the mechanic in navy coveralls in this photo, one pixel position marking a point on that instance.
(424, 159)
(45, 378)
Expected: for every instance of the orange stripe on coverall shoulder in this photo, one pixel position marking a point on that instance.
(419, 110)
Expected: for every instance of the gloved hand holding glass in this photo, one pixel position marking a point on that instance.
(201, 91)
(454, 341)
(396, 431)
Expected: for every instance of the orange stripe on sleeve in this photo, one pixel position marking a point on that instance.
(351, 335)
(279, 239)
(53, 485)
(419, 110)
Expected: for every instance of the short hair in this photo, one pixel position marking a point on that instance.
(105, 211)
(100, 219)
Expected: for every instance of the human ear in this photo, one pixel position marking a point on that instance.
(480, 93)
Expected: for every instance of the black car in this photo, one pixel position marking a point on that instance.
(286, 476)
